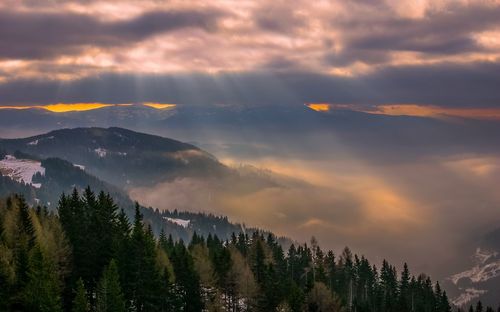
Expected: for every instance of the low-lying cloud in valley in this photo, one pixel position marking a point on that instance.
(431, 211)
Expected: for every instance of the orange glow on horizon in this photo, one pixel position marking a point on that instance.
(159, 105)
(319, 107)
(64, 107)
(435, 111)
(73, 107)
(16, 107)
(78, 107)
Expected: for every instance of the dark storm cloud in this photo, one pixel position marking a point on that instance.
(452, 85)
(279, 18)
(28, 35)
(446, 32)
(449, 32)
(348, 56)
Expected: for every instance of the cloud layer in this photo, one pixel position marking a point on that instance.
(67, 40)
(473, 85)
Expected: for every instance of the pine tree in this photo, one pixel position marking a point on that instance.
(109, 293)
(171, 300)
(404, 290)
(479, 306)
(142, 280)
(41, 292)
(445, 305)
(258, 263)
(103, 229)
(25, 224)
(186, 277)
(24, 244)
(80, 302)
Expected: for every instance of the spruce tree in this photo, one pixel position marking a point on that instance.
(41, 292)
(109, 293)
(479, 306)
(25, 224)
(404, 290)
(143, 280)
(186, 277)
(80, 302)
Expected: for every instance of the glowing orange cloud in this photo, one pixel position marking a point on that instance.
(319, 107)
(435, 111)
(159, 105)
(65, 107)
(413, 110)
(74, 107)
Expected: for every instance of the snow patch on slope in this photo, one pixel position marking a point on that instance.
(181, 222)
(82, 167)
(35, 142)
(482, 271)
(21, 170)
(486, 267)
(469, 295)
(101, 152)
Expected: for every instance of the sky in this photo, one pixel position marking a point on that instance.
(379, 181)
(391, 57)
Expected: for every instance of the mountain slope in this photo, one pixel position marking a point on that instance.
(43, 180)
(56, 176)
(120, 156)
(481, 281)
(112, 160)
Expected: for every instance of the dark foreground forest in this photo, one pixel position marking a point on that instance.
(89, 257)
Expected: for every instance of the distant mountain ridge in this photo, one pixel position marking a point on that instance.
(113, 154)
(247, 125)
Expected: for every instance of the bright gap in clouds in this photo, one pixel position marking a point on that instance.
(416, 110)
(80, 107)
(319, 107)
(159, 105)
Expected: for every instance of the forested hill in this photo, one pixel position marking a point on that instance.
(60, 176)
(120, 156)
(89, 257)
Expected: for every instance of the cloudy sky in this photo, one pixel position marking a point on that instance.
(395, 57)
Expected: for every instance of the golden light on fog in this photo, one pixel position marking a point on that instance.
(319, 107)
(159, 105)
(381, 204)
(483, 167)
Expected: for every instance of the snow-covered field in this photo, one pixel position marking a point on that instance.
(181, 222)
(21, 169)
